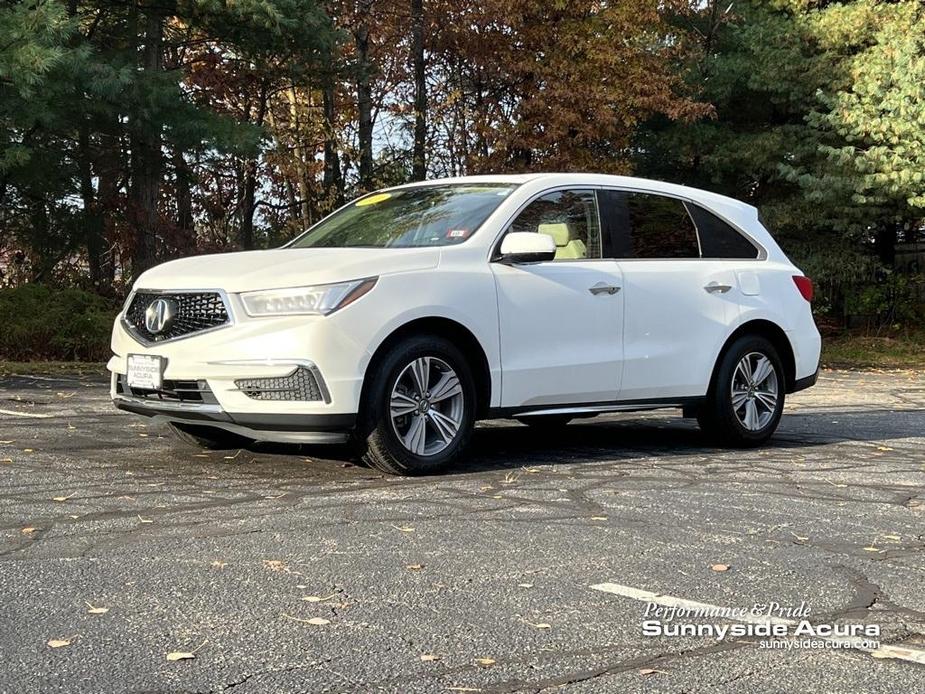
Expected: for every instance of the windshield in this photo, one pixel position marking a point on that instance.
(440, 215)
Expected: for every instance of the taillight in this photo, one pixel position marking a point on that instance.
(805, 285)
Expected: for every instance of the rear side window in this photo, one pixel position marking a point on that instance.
(718, 239)
(649, 226)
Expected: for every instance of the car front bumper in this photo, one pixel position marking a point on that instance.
(273, 427)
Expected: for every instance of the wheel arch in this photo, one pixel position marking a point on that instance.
(451, 330)
(775, 335)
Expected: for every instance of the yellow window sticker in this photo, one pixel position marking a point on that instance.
(373, 199)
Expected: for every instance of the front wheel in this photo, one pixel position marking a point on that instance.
(746, 399)
(419, 410)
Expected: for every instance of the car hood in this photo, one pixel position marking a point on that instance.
(285, 267)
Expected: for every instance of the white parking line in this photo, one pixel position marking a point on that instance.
(885, 651)
(34, 415)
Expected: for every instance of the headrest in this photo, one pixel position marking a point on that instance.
(559, 232)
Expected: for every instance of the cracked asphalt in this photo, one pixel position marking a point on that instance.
(486, 571)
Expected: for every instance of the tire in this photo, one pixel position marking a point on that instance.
(546, 421)
(748, 415)
(211, 438)
(445, 419)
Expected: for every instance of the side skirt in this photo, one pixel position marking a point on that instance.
(592, 408)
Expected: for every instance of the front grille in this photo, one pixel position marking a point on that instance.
(301, 384)
(192, 392)
(196, 311)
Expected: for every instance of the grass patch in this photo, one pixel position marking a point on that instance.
(53, 368)
(901, 351)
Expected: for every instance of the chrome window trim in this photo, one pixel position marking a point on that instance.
(762, 251)
(139, 338)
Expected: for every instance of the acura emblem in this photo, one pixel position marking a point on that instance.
(160, 315)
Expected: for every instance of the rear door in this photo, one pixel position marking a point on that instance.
(561, 321)
(678, 305)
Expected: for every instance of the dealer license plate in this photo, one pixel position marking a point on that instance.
(145, 371)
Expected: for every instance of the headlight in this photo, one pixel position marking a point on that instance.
(319, 300)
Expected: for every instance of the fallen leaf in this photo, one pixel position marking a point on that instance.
(274, 564)
(185, 655)
(541, 625)
(598, 518)
(429, 657)
(871, 549)
(316, 621)
(650, 671)
(7, 460)
(27, 531)
(414, 567)
(485, 662)
(145, 520)
(96, 610)
(218, 564)
(720, 567)
(5, 442)
(894, 538)
(28, 450)
(884, 448)
(180, 655)
(404, 528)
(524, 585)
(59, 643)
(64, 498)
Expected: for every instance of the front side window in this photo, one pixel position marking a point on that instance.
(570, 218)
(440, 215)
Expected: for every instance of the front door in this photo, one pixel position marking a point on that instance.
(561, 321)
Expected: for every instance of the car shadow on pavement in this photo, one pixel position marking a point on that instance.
(506, 444)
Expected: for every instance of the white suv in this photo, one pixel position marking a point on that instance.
(402, 318)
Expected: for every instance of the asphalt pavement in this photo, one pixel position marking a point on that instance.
(291, 569)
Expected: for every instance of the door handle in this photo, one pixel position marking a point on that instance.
(602, 288)
(717, 288)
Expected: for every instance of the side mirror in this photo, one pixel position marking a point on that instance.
(527, 247)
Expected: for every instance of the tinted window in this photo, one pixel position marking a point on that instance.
(718, 239)
(649, 226)
(570, 217)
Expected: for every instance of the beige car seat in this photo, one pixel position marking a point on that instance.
(567, 248)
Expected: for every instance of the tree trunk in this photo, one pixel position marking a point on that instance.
(249, 204)
(364, 95)
(418, 160)
(185, 227)
(92, 219)
(333, 181)
(147, 156)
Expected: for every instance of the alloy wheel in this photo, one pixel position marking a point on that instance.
(755, 390)
(426, 406)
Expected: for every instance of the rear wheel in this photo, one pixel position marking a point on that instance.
(207, 437)
(420, 408)
(746, 399)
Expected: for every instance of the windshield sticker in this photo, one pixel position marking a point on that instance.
(373, 199)
(457, 233)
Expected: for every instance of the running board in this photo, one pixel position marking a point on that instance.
(688, 403)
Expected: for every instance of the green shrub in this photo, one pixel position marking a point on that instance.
(37, 322)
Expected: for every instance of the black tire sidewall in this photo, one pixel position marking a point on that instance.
(382, 439)
(725, 421)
